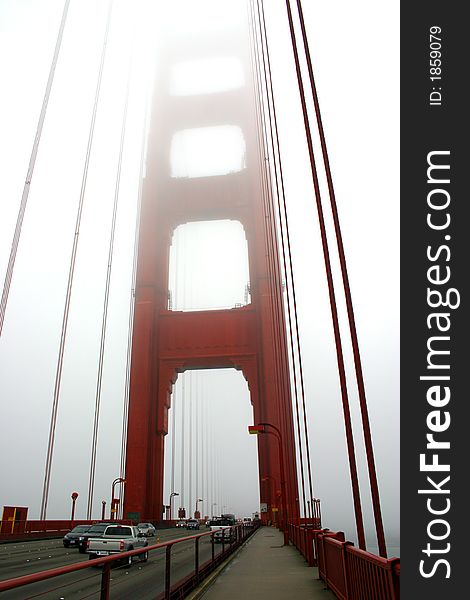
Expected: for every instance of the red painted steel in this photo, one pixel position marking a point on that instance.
(332, 296)
(349, 305)
(167, 343)
(349, 572)
(352, 573)
(25, 530)
(13, 520)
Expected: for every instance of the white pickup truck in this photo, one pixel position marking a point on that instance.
(117, 539)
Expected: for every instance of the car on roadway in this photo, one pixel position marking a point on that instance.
(247, 522)
(192, 524)
(71, 538)
(117, 539)
(147, 529)
(96, 530)
(181, 523)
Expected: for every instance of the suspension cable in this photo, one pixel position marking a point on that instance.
(99, 380)
(131, 307)
(277, 165)
(190, 443)
(58, 377)
(182, 471)
(289, 254)
(29, 174)
(349, 305)
(278, 325)
(173, 442)
(332, 297)
(280, 308)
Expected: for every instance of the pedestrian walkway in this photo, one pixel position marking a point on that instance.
(264, 568)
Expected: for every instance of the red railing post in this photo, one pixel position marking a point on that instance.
(105, 581)
(196, 558)
(393, 578)
(344, 557)
(168, 572)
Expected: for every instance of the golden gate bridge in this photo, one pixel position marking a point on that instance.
(211, 154)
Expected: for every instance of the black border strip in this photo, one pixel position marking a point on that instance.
(425, 128)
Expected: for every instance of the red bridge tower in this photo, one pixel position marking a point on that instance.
(250, 338)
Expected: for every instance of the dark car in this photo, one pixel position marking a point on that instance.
(95, 531)
(71, 538)
(192, 524)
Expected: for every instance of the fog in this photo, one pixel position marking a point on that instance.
(356, 72)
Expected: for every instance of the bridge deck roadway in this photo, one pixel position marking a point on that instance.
(265, 569)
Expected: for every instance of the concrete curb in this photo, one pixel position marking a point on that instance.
(208, 581)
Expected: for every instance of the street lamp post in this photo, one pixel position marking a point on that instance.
(115, 501)
(197, 502)
(103, 508)
(172, 495)
(74, 499)
(261, 428)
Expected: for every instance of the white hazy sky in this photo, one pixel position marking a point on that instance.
(356, 68)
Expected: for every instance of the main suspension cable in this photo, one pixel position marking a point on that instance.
(284, 234)
(332, 297)
(289, 255)
(58, 376)
(29, 174)
(278, 325)
(349, 305)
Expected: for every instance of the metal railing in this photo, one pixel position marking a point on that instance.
(16, 530)
(349, 572)
(179, 589)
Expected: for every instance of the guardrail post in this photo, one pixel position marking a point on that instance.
(168, 572)
(344, 554)
(196, 558)
(105, 577)
(213, 547)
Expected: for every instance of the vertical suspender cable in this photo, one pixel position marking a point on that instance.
(196, 432)
(131, 312)
(58, 377)
(277, 165)
(203, 470)
(265, 183)
(331, 291)
(173, 442)
(99, 380)
(29, 174)
(264, 98)
(349, 304)
(289, 254)
(190, 443)
(279, 325)
(183, 433)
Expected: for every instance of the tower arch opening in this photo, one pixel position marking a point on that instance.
(208, 267)
(207, 151)
(210, 75)
(210, 412)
